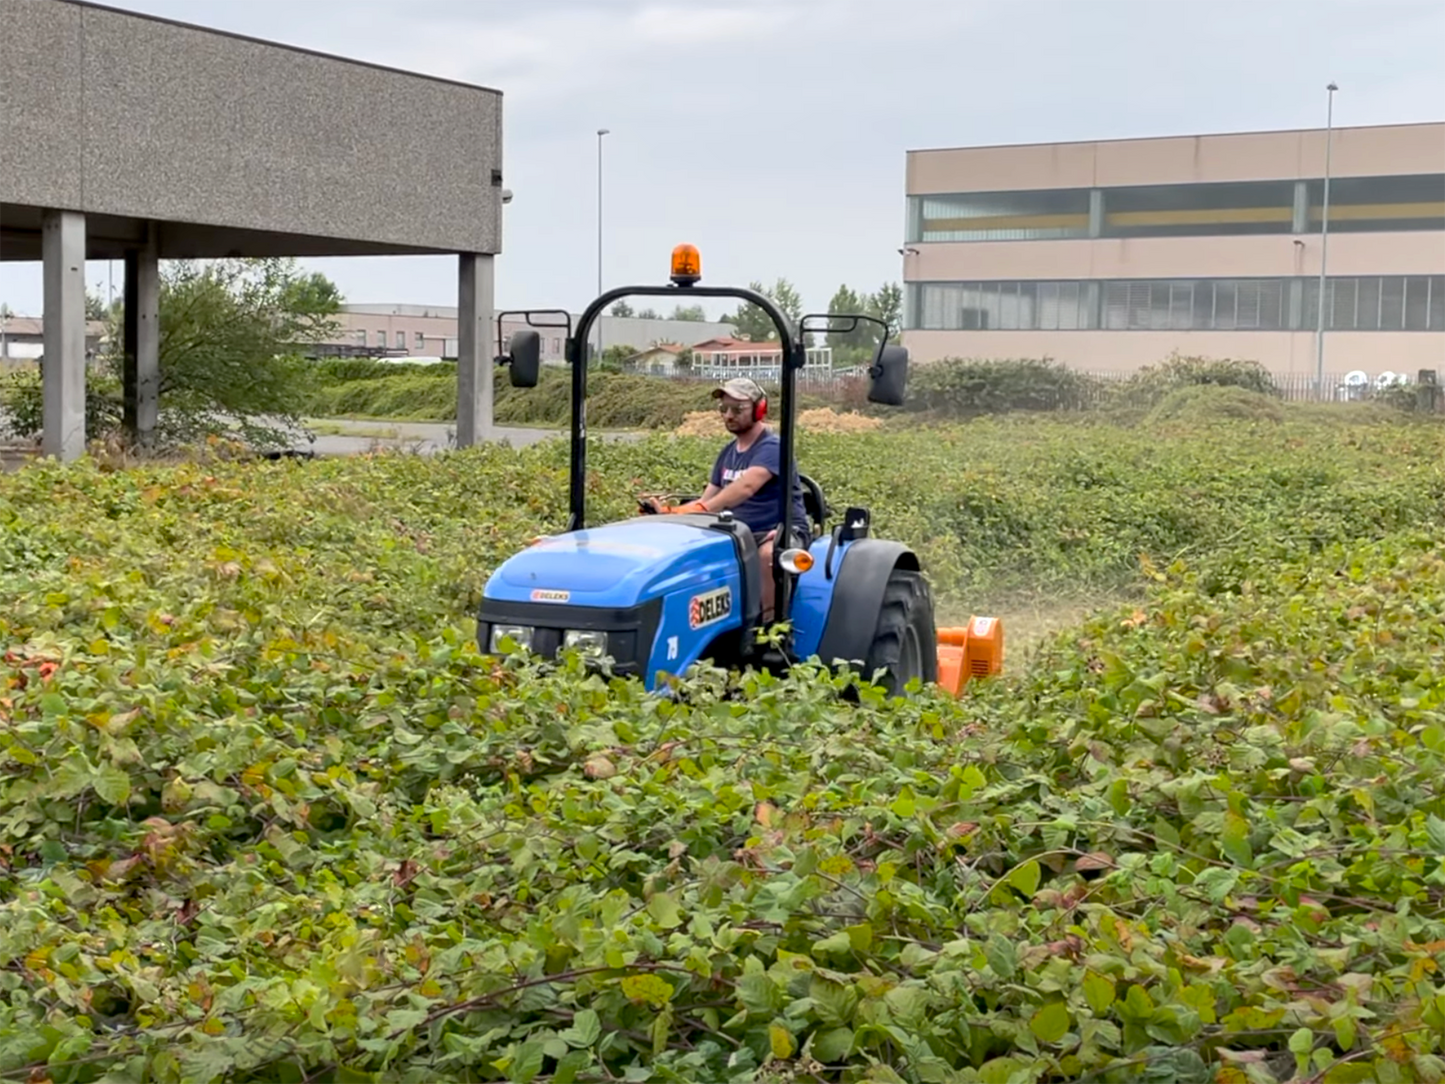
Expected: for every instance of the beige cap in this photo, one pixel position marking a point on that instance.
(739, 387)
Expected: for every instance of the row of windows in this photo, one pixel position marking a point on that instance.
(420, 341)
(361, 338)
(1368, 303)
(1357, 204)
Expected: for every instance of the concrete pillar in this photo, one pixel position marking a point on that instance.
(142, 373)
(63, 370)
(476, 281)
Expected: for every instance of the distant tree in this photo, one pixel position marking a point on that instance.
(753, 323)
(231, 333)
(648, 314)
(622, 308)
(693, 313)
(613, 359)
(849, 346)
(94, 306)
(887, 305)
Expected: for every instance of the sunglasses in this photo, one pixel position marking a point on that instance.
(734, 408)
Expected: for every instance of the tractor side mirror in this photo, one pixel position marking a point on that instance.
(524, 357)
(888, 376)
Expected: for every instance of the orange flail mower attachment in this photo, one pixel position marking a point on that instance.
(972, 650)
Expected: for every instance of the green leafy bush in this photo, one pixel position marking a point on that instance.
(22, 398)
(1153, 382)
(267, 815)
(1201, 404)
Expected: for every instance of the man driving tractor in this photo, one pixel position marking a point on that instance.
(745, 477)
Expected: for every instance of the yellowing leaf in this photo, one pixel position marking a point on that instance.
(780, 1042)
(1026, 877)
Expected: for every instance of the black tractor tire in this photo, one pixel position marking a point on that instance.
(905, 641)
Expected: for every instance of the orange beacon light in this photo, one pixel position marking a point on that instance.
(686, 265)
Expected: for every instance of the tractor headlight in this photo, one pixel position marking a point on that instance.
(521, 634)
(586, 641)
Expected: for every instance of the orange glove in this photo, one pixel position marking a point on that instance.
(688, 508)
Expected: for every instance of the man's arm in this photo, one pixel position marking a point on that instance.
(738, 490)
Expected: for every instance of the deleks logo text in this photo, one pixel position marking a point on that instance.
(712, 606)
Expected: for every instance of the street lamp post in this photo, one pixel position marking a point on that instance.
(1324, 243)
(600, 133)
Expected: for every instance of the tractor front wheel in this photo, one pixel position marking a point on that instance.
(903, 640)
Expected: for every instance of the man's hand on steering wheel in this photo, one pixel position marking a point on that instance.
(651, 504)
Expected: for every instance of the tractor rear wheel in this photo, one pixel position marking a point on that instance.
(903, 640)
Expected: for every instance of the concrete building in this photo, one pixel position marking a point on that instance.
(1111, 255)
(22, 340)
(431, 331)
(132, 137)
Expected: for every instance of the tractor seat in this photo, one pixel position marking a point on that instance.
(814, 504)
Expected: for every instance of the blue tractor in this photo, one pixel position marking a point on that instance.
(655, 594)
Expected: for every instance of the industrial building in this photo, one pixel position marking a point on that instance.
(1111, 255)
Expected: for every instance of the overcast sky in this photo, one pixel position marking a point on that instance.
(772, 133)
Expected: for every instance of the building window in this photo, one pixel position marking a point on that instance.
(1199, 210)
(1002, 306)
(556, 347)
(1357, 204)
(1197, 305)
(381, 338)
(361, 337)
(1379, 204)
(1372, 303)
(401, 340)
(1000, 216)
(1377, 303)
(420, 340)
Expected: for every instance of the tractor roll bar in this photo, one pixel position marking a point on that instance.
(792, 361)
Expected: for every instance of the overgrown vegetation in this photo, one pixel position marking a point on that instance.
(267, 815)
(429, 393)
(950, 389)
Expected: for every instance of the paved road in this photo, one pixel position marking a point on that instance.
(425, 437)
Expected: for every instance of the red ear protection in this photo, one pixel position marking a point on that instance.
(760, 409)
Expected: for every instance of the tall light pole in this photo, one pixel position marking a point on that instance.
(1324, 243)
(600, 133)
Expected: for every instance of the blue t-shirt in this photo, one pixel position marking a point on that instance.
(763, 511)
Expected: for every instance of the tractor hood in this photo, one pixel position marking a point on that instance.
(616, 565)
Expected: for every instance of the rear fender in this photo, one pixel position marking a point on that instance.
(857, 597)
